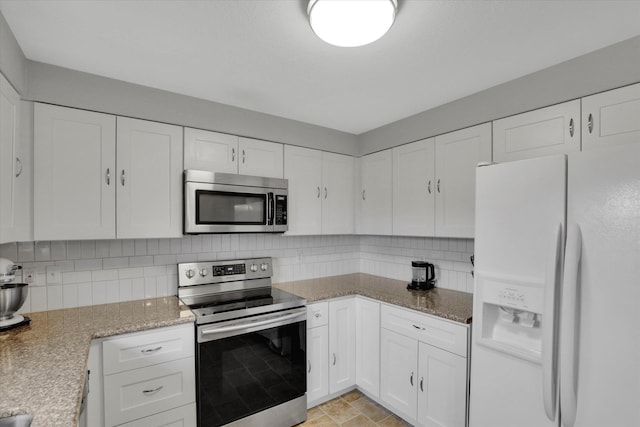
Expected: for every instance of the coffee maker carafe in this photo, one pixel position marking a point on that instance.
(423, 275)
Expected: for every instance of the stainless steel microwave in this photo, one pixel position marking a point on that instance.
(230, 203)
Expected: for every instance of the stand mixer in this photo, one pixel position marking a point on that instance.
(12, 296)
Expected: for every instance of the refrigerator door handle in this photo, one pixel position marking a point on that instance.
(568, 368)
(549, 327)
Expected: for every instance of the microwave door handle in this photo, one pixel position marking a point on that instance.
(270, 208)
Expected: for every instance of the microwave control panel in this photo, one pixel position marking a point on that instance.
(281, 209)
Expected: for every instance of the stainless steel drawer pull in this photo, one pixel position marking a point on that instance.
(411, 379)
(155, 390)
(309, 363)
(317, 315)
(590, 123)
(318, 192)
(334, 359)
(122, 178)
(151, 350)
(438, 185)
(243, 156)
(571, 127)
(325, 192)
(364, 195)
(233, 154)
(421, 384)
(18, 163)
(419, 327)
(108, 176)
(429, 186)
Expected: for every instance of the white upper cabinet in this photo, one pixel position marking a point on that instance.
(611, 118)
(149, 179)
(320, 191)
(303, 169)
(10, 164)
(547, 131)
(260, 158)
(337, 193)
(457, 155)
(414, 188)
(74, 174)
(210, 151)
(376, 193)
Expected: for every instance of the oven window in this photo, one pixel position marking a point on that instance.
(244, 374)
(217, 207)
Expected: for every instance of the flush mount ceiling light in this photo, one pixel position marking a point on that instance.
(351, 23)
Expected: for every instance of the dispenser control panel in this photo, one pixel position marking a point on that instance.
(529, 297)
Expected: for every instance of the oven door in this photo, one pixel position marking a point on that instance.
(249, 365)
(221, 208)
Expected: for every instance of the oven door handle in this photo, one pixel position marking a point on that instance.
(251, 326)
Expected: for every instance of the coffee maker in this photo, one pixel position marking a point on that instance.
(423, 276)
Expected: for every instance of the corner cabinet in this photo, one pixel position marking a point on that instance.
(368, 346)
(457, 155)
(320, 191)
(375, 196)
(611, 118)
(342, 346)
(77, 178)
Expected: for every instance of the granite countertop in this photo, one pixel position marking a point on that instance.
(43, 365)
(445, 303)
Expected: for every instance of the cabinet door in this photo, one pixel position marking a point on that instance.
(210, 151)
(260, 158)
(442, 388)
(337, 194)
(414, 189)
(611, 118)
(457, 155)
(375, 195)
(317, 363)
(149, 179)
(368, 346)
(9, 163)
(543, 132)
(303, 169)
(399, 373)
(342, 347)
(74, 174)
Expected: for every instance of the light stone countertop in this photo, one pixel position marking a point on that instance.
(444, 303)
(43, 365)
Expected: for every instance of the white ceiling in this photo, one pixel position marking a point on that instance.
(262, 55)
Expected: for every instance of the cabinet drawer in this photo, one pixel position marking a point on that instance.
(317, 314)
(184, 416)
(142, 392)
(147, 348)
(428, 329)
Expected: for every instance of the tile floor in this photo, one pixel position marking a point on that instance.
(352, 409)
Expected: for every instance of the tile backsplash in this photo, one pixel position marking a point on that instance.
(78, 273)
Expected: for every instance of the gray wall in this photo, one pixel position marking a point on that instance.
(614, 66)
(13, 63)
(63, 86)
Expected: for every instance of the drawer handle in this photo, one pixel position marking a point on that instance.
(418, 327)
(421, 383)
(151, 350)
(411, 379)
(155, 390)
(317, 315)
(334, 359)
(309, 363)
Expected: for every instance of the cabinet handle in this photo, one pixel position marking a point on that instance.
(364, 195)
(107, 176)
(418, 327)
(334, 359)
(571, 127)
(19, 163)
(243, 156)
(233, 154)
(411, 379)
(317, 315)
(438, 185)
(309, 364)
(151, 350)
(429, 186)
(590, 123)
(421, 384)
(155, 390)
(325, 193)
(318, 192)
(122, 178)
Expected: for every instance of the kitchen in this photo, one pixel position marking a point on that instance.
(129, 258)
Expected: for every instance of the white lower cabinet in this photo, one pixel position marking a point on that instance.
(368, 346)
(424, 384)
(342, 344)
(144, 379)
(317, 363)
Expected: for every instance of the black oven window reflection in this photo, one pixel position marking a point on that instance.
(245, 374)
(230, 208)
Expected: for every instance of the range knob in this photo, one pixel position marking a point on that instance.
(190, 273)
(203, 272)
(253, 268)
(264, 266)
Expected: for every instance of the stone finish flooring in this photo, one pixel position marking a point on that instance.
(352, 409)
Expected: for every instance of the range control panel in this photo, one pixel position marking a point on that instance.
(201, 273)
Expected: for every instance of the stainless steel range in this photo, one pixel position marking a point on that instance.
(250, 344)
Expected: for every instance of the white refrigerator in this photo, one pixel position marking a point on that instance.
(556, 321)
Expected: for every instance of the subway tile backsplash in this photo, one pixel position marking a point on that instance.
(106, 271)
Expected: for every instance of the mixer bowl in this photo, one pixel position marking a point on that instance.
(12, 296)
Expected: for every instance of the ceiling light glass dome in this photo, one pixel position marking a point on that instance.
(351, 23)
